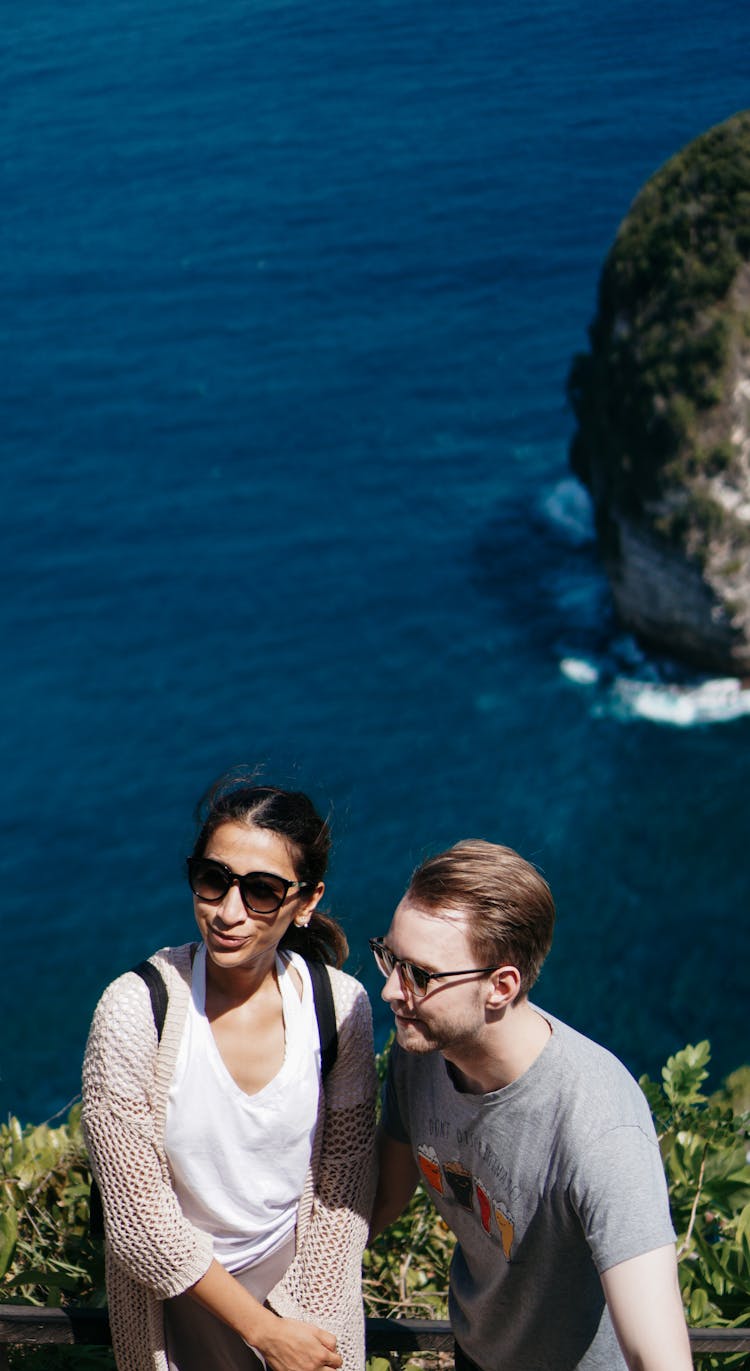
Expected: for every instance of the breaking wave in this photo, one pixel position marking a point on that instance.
(683, 705)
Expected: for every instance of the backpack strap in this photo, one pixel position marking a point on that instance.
(158, 992)
(325, 1015)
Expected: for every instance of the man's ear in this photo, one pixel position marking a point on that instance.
(505, 987)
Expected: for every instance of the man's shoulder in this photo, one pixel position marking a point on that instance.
(592, 1084)
(574, 1080)
(581, 1052)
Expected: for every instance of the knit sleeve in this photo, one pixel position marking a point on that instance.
(323, 1285)
(145, 1228)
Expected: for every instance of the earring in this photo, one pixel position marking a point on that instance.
(301, 923)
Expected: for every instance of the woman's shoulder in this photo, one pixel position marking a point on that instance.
(346, 988)
(352, 1081)
(352, 1008)
(174, 965)
(175, 962)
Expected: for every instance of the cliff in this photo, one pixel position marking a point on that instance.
(662, 402)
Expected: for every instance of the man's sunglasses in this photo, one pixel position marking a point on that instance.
(415, 979)
(262, 892)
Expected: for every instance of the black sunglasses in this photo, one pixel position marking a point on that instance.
(415, 979)
(261, 891)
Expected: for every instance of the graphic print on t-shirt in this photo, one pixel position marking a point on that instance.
(485, 1207)
(461, 1183)
(506, 1230)
(452, 1179)
(429, 1165)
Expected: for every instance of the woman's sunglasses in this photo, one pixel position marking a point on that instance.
(415, 979)
(262, 892)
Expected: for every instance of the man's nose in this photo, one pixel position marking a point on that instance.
(393, 989)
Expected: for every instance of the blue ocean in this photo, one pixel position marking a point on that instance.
(290, 293)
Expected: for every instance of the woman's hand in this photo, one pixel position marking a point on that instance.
(292, 1346)
(286, 1344)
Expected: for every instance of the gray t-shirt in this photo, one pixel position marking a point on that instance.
(546, 1184)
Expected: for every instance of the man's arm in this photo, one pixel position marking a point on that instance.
(397, 1181)
(643, 1297)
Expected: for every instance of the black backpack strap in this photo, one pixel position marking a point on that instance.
(159, 1001)
(96, 1211)
(325, 1015)
(158, 992)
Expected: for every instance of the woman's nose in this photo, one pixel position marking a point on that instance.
(232, 909)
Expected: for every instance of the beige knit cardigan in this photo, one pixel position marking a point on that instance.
(152, 1251)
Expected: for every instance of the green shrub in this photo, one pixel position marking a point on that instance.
(704, 1144)
(719, 458)
(48, 1258)
(655, 378)
(46, 1254)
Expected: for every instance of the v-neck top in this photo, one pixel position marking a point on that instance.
(239, 1161)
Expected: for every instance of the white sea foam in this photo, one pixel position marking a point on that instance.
(567, 507)
(679, 705)
(709, 702)
(579, 670)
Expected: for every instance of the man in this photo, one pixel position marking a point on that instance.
(535, 1144)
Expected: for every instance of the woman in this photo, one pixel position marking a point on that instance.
(236, 1190)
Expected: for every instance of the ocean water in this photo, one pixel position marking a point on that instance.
(290, 295)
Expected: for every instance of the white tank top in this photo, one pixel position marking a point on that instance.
(239, 1161)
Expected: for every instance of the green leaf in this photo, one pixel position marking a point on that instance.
(8, 1238)
(743, 1234)
(685, 1072)
(698, 1307)
(653, 1093)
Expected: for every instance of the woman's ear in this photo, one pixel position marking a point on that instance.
(302, 918)
(505, 987)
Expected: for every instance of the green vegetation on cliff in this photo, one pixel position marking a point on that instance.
(652, 397)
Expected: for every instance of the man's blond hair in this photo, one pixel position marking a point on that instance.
(508, 905)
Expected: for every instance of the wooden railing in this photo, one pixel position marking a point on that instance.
(395, 1338)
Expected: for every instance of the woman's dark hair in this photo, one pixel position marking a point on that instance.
(294, 817)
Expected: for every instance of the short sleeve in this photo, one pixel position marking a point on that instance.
(620, 1194)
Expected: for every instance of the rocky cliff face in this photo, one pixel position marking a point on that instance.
(662, 401)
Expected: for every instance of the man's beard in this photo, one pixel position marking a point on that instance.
(456, 1035)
